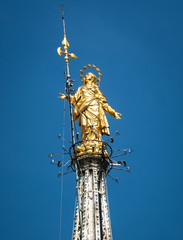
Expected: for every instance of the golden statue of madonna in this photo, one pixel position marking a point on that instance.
(90, 106)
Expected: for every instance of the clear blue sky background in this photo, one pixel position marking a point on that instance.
(138, 47)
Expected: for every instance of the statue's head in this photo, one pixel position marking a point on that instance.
(89, 77)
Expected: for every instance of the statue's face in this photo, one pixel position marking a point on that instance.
(89, 77)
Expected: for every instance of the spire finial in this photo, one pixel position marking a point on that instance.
(65, 42)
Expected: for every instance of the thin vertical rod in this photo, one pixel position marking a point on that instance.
(68, 85)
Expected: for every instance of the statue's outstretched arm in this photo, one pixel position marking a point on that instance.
(75, 98)
(110, 110)
(107, 108)
(64, 96)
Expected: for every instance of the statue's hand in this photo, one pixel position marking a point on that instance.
(117, 115)
(63, 96)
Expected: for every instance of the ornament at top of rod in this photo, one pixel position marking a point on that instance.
(65, 43)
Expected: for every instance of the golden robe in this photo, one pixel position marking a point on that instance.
(90, 105)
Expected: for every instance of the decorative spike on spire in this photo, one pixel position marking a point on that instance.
(65, 43)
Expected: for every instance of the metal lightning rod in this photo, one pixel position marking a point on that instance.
(69, 94)
(68, 82)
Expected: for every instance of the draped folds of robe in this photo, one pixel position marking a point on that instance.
(90, 105)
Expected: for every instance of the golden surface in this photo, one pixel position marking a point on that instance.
(90, 106)
(65, 42)
(67, 55)
(91, 66)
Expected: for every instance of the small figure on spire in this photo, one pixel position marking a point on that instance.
(89, 107)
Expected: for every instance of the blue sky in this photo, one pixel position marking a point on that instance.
(138, 47)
